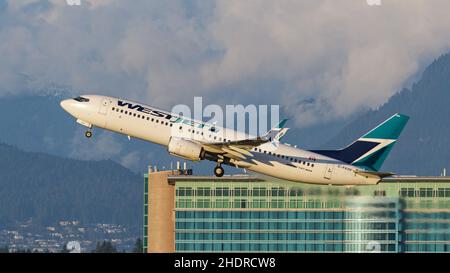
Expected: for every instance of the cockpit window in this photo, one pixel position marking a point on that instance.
(81, 99)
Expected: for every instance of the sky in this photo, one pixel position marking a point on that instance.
(319, 60)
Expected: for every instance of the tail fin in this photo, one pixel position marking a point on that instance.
(370, 150)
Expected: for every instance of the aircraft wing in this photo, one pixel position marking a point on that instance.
(238, 150)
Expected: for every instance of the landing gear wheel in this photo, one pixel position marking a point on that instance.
(219, 171)
(88, 134)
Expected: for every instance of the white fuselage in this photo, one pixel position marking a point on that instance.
(151, 124)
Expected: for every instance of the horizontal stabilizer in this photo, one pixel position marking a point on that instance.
(373, 174)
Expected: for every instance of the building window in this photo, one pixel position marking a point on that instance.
(222, 192)
(202, 191)
(259, 191)
(379, 193)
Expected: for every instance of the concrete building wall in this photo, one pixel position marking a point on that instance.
(161, 213)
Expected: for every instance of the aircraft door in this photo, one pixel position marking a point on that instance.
(328, 171)
(104, 106)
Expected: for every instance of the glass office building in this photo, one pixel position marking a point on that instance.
(246, 214)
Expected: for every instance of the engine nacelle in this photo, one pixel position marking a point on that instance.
(186, 149)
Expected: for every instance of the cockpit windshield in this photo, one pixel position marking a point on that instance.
(81, 99)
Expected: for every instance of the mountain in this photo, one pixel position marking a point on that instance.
(424, 146)
(47, 188)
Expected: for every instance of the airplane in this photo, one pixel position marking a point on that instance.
(356, 164)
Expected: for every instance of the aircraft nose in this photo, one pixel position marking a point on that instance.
(65, 105)
(70, 106)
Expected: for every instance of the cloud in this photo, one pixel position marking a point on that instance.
(342, 55)
(131, 160)
(105, 146)
(320, 60)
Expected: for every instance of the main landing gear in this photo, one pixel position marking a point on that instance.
(219, 171)
(88, 134)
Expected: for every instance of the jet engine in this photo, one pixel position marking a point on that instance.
(186, 149)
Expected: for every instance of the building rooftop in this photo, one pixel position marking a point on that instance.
(252, 178)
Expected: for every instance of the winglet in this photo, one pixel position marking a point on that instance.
(282, 123)
(277, 132)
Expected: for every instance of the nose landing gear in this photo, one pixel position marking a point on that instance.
(219, 171)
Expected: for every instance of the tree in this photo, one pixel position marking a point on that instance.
(138, 246)
(64, 249)
(105, 247)
(4, 249)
